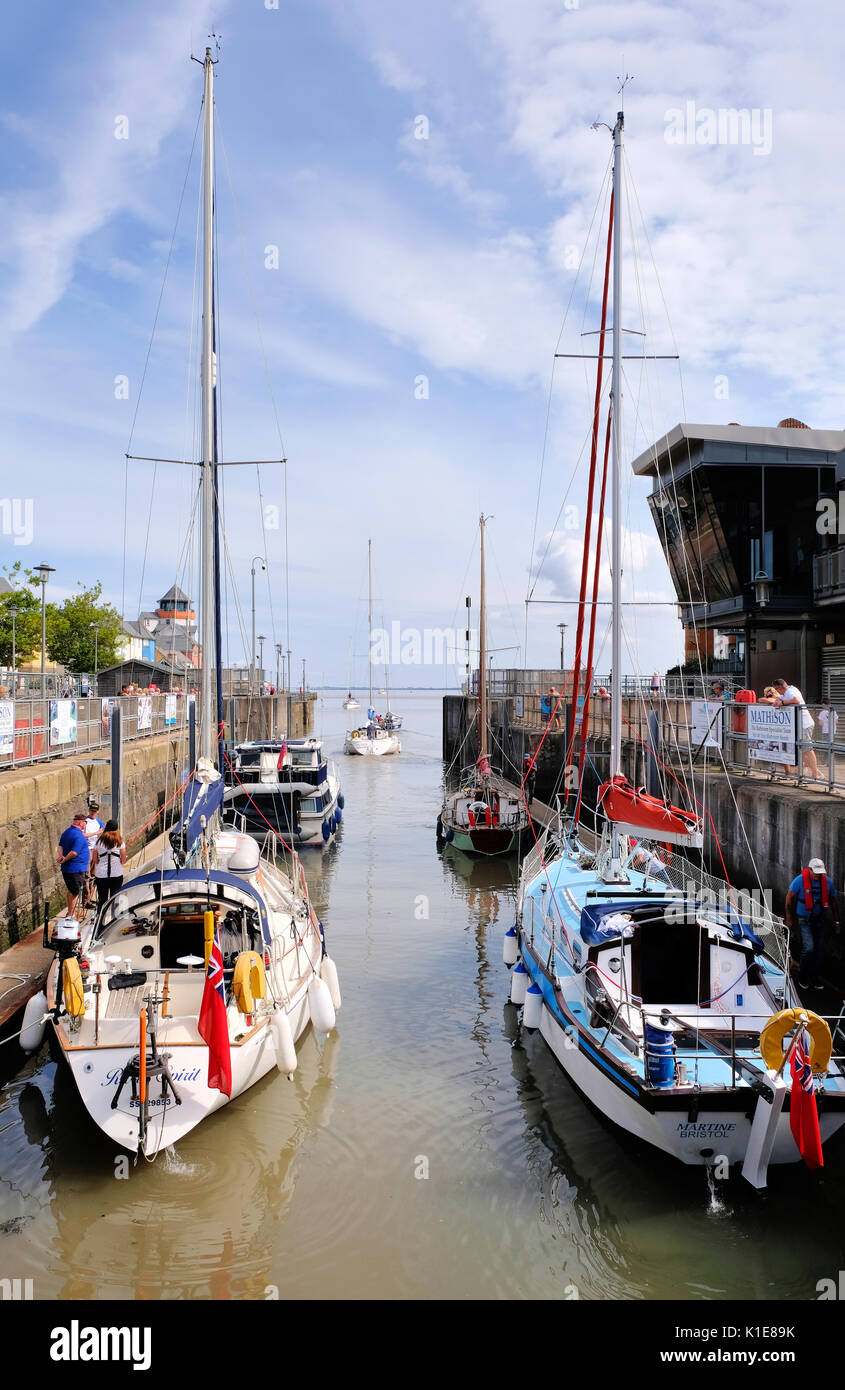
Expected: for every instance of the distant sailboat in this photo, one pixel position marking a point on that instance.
(483, 817)
(374, 739)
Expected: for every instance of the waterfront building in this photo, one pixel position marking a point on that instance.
(744, 518)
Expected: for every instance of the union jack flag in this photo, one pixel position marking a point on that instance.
(213, 1025)
(803, 1114)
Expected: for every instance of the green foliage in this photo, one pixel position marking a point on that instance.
(27, 626)
(70, 634)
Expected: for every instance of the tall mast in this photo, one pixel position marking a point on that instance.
(370, 618)
(207, 691)
(482, 659)
(616, 420)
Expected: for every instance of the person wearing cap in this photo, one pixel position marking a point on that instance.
(811, 898)
(93, 824)
(73, 857)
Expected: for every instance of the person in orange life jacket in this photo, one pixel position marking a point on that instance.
(811, 898)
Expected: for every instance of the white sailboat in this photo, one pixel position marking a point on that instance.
(668, 1007)
(198, 978)
(375, 739)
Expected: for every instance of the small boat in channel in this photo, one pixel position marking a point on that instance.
(287, 785)
(375, 739)
(483, 815)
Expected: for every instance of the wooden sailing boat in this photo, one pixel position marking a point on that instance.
(483, 816)
(198, 978)
(376, 738)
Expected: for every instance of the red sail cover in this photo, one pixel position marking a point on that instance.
(622, 802)
(483, 765)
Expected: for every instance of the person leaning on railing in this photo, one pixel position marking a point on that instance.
(791, 695)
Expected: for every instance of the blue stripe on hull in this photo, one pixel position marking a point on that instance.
(548, 990)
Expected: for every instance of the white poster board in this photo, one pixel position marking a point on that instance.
(107, 704)
(771, 734)
(62, 722)
(145, 712)
(170, 709)
(706, 721)
(518, 704)
(7, 728)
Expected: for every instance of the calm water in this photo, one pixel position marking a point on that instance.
(312, 1185)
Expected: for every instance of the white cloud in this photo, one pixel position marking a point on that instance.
(394, 73)
(151, 86)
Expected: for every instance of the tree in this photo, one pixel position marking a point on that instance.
(70, 631)
(27, 624)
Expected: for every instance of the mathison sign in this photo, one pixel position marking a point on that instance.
(771, 734)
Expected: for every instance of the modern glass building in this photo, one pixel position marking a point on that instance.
(747, 518)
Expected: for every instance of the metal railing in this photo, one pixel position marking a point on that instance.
(36, 730)
(666, 722)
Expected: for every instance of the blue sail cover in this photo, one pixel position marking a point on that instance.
(201, 799)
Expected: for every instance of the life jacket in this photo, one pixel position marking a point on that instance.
(808, 891)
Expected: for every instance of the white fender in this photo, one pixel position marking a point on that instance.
(328, 972)
(321, 1006)
(510, 950)
(34, 1023)
(519, 984)
(286, 1059)
(532, 1012)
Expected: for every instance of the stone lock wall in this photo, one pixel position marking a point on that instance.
(37, 804)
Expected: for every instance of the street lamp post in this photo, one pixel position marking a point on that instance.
(303, 676)
(260, 681)
(12, 610)
(96, 629)
(278, 655)
(260, 561)
(562, 630)
(44, 572)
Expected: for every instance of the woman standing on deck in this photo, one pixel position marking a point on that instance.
(109, 857)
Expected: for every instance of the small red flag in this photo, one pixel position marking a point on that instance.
(282, 755)
(213, 1024)
(803, 1114)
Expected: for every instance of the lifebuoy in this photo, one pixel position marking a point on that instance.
(774, 1032)
(72, 990)
(249, 981)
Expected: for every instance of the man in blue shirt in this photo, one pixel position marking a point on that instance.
(811, 898)
(73, 857)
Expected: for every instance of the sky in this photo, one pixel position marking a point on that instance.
(404, 196)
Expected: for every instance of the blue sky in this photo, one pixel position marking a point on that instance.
(447, 257)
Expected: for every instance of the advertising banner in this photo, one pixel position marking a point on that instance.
(772, 734)
(7, 728)
(63, 722)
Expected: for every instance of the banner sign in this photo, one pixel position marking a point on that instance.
(772, 734)
(706, 718)
(7, 728)
(62, 722)
(170, 709)
(107, 704)
(145, 712)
